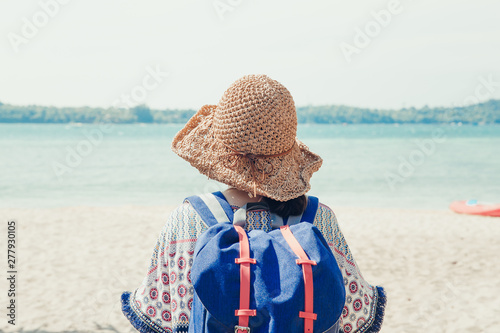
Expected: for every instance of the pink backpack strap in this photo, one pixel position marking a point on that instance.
(244, 260)
(308, 313)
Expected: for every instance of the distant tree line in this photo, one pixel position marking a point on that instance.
(483, 113)
(51, 114)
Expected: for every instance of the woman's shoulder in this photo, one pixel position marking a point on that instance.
(183, 223)
(182, 214)
(324, 211)
(326, 221)
(183, 207)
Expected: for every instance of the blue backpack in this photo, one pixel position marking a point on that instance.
(285, 280)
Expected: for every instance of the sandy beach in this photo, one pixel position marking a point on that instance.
(440, 269)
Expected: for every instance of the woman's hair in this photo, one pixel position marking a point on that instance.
(287, 208)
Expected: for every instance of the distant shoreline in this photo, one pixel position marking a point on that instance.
(478, 114)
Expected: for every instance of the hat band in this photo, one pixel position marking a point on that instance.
(251, 160)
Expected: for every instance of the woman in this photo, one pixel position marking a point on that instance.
(247, 141)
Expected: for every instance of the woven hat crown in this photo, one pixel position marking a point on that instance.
(256, 115)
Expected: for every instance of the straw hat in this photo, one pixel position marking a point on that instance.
(248, 141)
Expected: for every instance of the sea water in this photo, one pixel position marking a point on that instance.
(405, 166)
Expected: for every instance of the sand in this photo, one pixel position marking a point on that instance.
(441, 270)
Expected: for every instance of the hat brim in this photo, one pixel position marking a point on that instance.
(287, 176)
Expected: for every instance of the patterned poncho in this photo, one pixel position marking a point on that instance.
(163, 301)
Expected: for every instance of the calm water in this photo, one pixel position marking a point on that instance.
(414, 166)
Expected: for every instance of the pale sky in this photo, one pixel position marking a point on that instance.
(92, 52)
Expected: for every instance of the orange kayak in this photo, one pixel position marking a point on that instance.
(472, 207)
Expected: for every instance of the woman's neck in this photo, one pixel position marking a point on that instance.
(239, 198)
